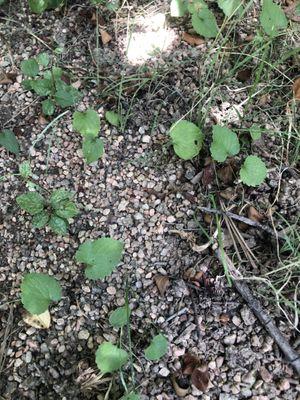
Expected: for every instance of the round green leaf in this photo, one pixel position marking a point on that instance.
(119, 317)
(87, 122)
(225, 143)
(272, 18)
(187, 139)
(92, 149)
(113, 118)
(204, 23)
(157, 348)
(32, 202)
(101, 256)
(37, 291)
(58, 225)
(48, 107)
(110, 358)
(30, 67)
(43, 59)
(9, 141)
(40, 220)
(253, 171)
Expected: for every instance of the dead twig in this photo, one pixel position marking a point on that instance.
(245, 220)
(262, 315)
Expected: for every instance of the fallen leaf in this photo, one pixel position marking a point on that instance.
(190, 362)
(192, 39)
(105, 36)
(225, 174)
(180, 385)
(296, 89)
(254, 215)
(162, 282)
(224, 319)
(41, 321)
(7, 78)
(200, 378)
(42, 120)
(228, 194)
(264, 99)
(244, 74)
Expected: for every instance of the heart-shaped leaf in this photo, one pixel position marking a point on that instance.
(32, 202)
(157, 349)
(225, 143)
(87, 122)
(9, 141)
(187, 139)
(110, 358)
(119, 317)
(101, 256)
(37, 292)
(92, 149)
(204, 23)
(253, 171)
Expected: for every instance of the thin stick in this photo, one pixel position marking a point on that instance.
(243, 219)
(261, 314)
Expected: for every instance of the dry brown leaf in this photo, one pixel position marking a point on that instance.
(208, 172)
(41, 321)
(181, 386)
(192, 39)
(190, 362)
(224, 319)
(254, 215)
(7, 78)
(296, 89)
(162, 282)
(207, 218)
(105, 36)
(225, 174)
(228, 194)
(42, 120)
(200, 378)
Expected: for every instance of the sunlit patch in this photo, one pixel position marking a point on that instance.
(150, 38)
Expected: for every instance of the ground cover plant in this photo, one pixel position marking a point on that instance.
(175, 272)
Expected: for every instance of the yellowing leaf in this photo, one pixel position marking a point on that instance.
(39, 321)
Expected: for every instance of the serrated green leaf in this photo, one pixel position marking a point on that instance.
(231, 7)
(9, 141)
(113, 118)
(67, 96)
(37, 292)
(92, 149)
(58, 196)
(32, 202)
(43, 59)
(101, 256)
(253, 171)
(26, 84)
(225, 143)
(178, 8)
(87, 122)
(255, 132)
(119, 317)
(30, 67)
(67, 210)
(272, 18)
(25, 169)
(42, 87)
(204, 23)
(40, 220)
(58, 225)
(157, 349)
(48, 107)
(187, 139)
(110, 358)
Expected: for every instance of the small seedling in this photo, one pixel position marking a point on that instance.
(101, 256)
(157, 348)
(187, 139)
(9, 141)
(87, 123)
(48, 83)
(37, 292)
(54, 212)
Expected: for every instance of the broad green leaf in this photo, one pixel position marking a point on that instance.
(40, 220)
(37, 292)
(42, 87)
(255, 132)
(9, 141)
(113, 118)
(131, 396)
(25, 169)
(101, 256)
(119, 317)
(58, 225)
(92, 149)
(187, 139)
(43, 59)
(272, 18)
(58, 196)
(253, 171)
(87, 122)
(157, 348)
(48, 107)
(225, 143)
(30, 67)
(37, 6)
(178, 8)
(231, 7)
(55, 73)
(32, 202)
(67, 96)
(67, 210)
(26, 84)
(110, 358)
(204, 23)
